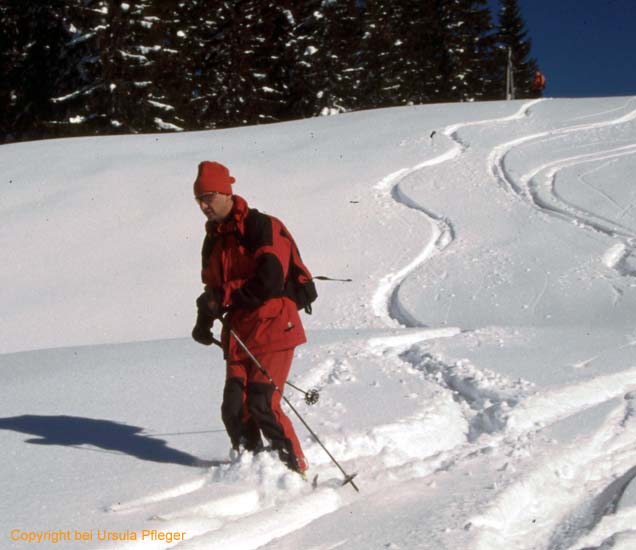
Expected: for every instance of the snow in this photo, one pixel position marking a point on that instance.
(290, 17)
(478, 372)
(72, 95)
(162, 106)
(138, 58)
(79, 38)
(150, 49)
(163, 125)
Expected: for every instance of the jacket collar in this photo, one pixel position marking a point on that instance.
(235, 220)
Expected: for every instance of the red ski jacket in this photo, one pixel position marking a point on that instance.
(245, 260)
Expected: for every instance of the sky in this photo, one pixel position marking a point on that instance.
(584, 47)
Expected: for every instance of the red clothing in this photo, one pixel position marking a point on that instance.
(262, 403)
(245, 259)
(539, 82)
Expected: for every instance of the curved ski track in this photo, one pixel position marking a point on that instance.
(553, 491)
(385, 302)
(508, 524)
(538, 187)
(236, 519)
(249, 517)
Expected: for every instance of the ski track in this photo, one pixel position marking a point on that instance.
(496, 159)
(549, 508)
(245, 519)
(558, 207)
(538, 186)
(495, 412)
(568, 492)
(385, 302)
(177, 491)
(512, 416)
(583, 179)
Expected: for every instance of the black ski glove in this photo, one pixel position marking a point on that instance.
(202, 334)
(209, 305)
(208, 309)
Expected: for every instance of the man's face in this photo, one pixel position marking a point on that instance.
(216, 206)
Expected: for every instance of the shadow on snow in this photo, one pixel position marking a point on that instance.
(74, 431)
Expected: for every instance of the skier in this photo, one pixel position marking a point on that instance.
(538, 83)
(245, 259)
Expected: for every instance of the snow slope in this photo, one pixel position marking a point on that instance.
(479, 372)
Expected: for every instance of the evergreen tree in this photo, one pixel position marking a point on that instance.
(512, 34)
(237, 61)
(479, 51)
(270, 59)
(168, 96)
(9, 81)
(327, 68)
(122, 76)
(32, 55)
(382, 54)
(81, 67)
(420, 50)
(208, 28)
(465, 48)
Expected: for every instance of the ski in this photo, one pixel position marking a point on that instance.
(348, 479)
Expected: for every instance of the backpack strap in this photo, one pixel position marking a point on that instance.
(299, 285)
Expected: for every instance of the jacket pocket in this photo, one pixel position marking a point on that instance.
(271, 309)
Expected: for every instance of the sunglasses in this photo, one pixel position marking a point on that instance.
(207, 198)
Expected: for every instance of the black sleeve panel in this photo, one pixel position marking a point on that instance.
(267, 282)
(258, 231)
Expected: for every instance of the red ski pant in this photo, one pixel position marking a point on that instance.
(250, 404)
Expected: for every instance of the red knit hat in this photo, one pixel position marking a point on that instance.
(213, 178)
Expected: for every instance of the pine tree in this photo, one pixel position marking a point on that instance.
(418, 46)
(9, 80)
(81, 67)
(33, 66)
(327, 70)
(120, 51)
(479, 51)
(381, 54)
(246, 71)
(167, 97)
(512, 34)
(465, 48)
(237, 61)
(271, 56)
(206, 29)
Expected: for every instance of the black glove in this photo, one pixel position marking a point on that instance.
(208, 309)
(202, 334)
(209, 305)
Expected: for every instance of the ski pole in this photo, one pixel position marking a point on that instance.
(348, 477)
(311, 396)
